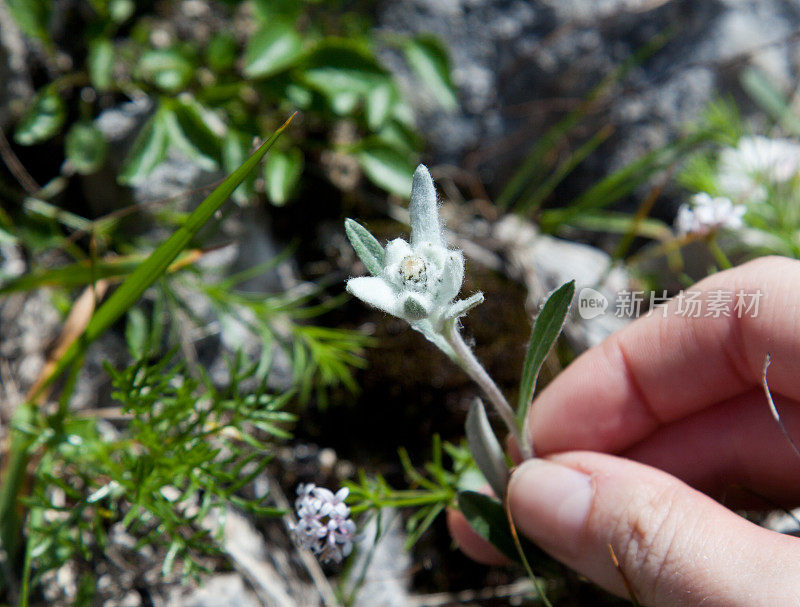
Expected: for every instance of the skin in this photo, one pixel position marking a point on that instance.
(665, 421)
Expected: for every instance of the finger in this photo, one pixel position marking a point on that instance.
(733, 451)
(470, 543)
(658, 370)
(675, 545)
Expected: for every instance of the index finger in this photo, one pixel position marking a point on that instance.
(661, 369)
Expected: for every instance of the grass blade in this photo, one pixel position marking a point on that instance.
(159, 260)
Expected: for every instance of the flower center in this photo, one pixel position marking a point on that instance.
(412, 271)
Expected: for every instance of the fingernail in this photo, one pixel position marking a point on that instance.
(550, 503)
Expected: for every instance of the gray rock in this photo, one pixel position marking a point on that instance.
(543, 263)
(386, 581)
(513, 59)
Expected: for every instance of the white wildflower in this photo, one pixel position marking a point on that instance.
(746, 170)
(705, 214)
(418, 281)
(324, 525)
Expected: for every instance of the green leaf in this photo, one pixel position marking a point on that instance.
(188, 128)
(32, 16)
(387, 168)
(272, 49)
(137, 333)
(268, 10)
(770, 98)
(282, 172)
(158, 261)
(485, 448)
(168, 69)
(77, 274)
(148, 150)
(548, 325)
(379, 105)
(221, 52)
(429, 59)
(100, 64)
(43, 119)
(343, 71)
(366, 246)
(85, 147)
(488, 518)
(121, 10)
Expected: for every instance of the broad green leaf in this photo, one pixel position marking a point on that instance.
(221, 52)
(85, 147)
(188, 129)
(43, 119)
(428, 57)
(366, 246)
(488, 518)
(168, 69)
(387, 168)
(342, 69)
(32, 16)
(273, 48)
(485, 448)
(282, 172)
(399, 136)
(548, 325)
(100, 64)
(158, 261)
(379, 105)
(121, 10)
(148, 150)
(268, 10)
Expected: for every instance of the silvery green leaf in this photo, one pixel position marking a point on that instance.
(462, 306)
(414, 309)
(423, 210)
(545, 332)
(366, 246)
(375, 292)
(485, 448)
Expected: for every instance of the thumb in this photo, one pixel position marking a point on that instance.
(675, 545)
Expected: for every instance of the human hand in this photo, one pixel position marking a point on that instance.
(679, 403)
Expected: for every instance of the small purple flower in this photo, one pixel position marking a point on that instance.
(324, 525)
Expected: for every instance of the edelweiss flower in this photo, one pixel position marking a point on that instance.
(705, 214)
(416, 281)
(324, 525)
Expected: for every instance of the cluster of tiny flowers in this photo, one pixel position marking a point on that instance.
(705, 214)
(323, 523)
(744, 170)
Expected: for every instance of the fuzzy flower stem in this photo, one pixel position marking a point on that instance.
(467, 361)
